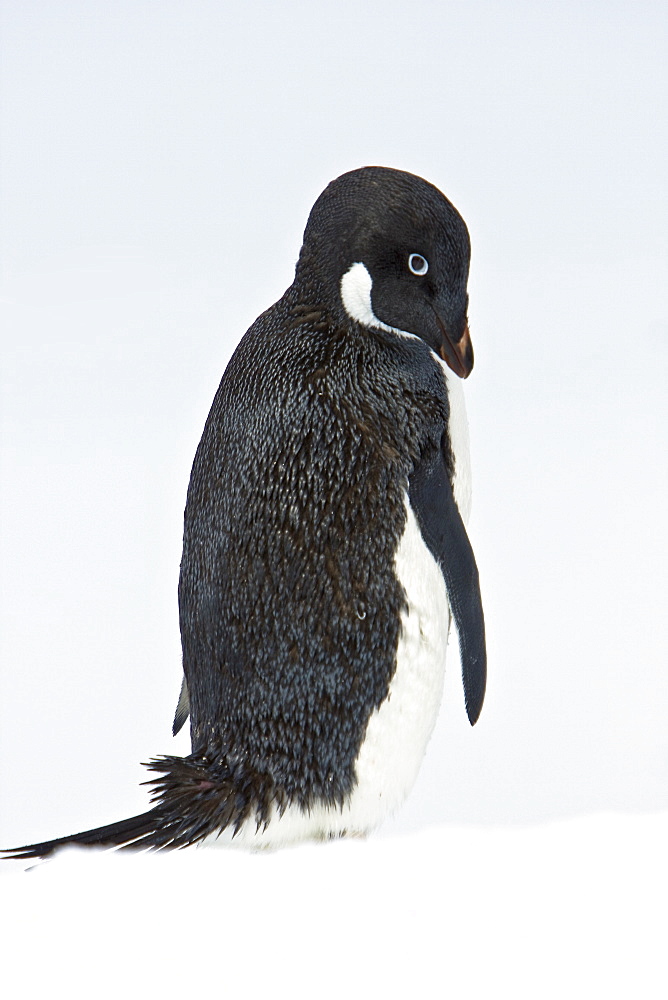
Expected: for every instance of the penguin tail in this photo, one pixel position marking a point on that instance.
(126, 833)
(194, 796)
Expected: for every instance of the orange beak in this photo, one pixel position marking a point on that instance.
(458, 355)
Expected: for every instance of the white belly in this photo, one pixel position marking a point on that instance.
(399, 729)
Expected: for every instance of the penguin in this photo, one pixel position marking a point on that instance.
(325, 552)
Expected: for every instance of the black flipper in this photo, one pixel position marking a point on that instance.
(182, 709)
(432, 501)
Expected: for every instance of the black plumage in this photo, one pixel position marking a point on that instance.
(290, 605)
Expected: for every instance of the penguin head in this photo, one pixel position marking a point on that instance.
(391, 252)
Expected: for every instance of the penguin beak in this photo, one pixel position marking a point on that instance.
(458, 355)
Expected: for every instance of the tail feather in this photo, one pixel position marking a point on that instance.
(194, 797)
(125, 833)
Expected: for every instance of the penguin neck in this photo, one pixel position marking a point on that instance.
(316, 285)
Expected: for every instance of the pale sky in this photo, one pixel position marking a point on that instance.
(158, 164)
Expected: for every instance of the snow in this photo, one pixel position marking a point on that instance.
(568, 909)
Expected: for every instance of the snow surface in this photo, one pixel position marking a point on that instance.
(570, 909)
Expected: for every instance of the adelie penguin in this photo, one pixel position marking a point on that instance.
(324, 549)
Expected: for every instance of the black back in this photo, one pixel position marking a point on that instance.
(289, 603)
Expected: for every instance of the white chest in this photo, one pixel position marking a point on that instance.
(399, 730)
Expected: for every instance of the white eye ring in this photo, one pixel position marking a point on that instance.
(418, 264)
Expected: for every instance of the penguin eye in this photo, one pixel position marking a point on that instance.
(418, 264)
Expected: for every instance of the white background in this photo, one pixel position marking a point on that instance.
(159, 161)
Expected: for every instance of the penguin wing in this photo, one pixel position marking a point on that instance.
(432, 499)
